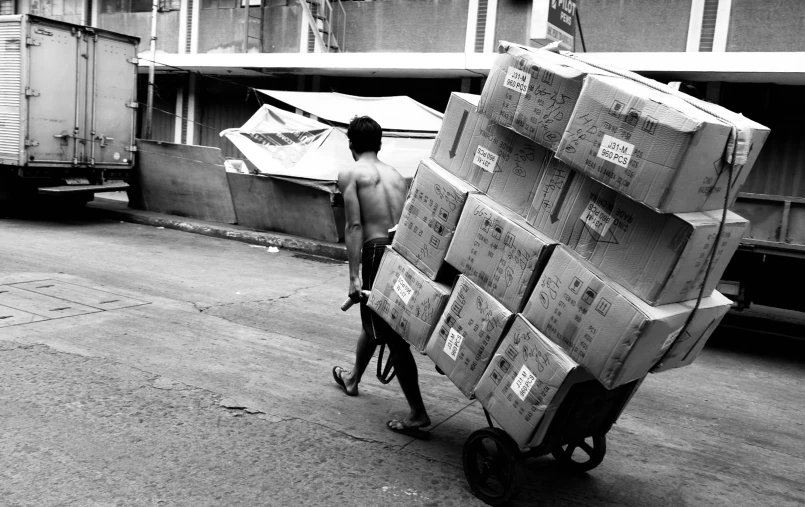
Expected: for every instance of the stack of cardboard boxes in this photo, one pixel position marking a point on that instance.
(581, 208)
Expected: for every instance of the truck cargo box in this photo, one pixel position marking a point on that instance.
(67, 99)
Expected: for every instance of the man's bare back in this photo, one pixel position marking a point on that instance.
(380, 192)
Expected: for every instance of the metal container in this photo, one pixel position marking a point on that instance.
(68, 100)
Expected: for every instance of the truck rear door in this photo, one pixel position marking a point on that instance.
(112, 87)
(57, 65)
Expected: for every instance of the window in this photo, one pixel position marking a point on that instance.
(113, 6)
(6, 7)
(47, 8)
(170, 5)
(219, 4)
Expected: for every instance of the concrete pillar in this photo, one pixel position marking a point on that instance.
(182, 44)
(192, 106)
(490, 44)
(722, 26)
(695, 26)
(472, 20)
(178, 120)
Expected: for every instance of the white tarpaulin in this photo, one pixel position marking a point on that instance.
(280, 143)
(392, 113)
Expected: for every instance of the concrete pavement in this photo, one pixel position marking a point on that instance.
(218, 392)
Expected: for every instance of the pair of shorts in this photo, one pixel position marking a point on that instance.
(375, 327)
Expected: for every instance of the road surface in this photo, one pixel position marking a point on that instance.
(180, 370)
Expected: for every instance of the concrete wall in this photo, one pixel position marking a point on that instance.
(634, 25)
(139, 24)
(768, 25)
(392, 26)
(221, 30)
(513, 21)
(282, 25)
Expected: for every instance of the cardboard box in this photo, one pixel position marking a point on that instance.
(467, 334)
(688, 345)
(751, 136)
(533, 92)
(652, 146)
(497, 161)
(431, 212)
(602, 326)
(498, 250)
(525, 375)
(661, 258)
(407, 299)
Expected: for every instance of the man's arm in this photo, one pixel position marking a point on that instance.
(353, 231)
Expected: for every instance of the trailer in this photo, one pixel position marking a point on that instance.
(68, 109)
(768, 265)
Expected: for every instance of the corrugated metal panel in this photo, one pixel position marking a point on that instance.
(188, 44)
(218, 115)
(480, 26)
(780, 169)
(708, 25)
(10, 86)
(163, 121)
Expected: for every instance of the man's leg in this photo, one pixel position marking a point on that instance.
(363, 354)
(407, 374)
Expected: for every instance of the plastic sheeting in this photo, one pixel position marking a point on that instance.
(392, 113)
(280, 143)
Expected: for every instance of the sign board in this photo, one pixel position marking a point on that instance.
(554, 20)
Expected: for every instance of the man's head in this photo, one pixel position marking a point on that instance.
(364, 135)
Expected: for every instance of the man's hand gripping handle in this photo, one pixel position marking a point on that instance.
(349, 302)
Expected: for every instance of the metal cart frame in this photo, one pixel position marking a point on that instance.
(493, 462)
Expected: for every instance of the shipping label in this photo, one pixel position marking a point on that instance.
(597, 218)
(517, 80)
(616, 151)
(523, 382)
(485, 159)
(453, 343)
(403, 290)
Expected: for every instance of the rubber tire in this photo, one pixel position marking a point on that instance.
(595, 454)
(503, 465)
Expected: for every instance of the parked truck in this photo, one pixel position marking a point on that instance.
(68, 108)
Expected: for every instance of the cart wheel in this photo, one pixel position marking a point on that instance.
(581, 456)
(492, 466)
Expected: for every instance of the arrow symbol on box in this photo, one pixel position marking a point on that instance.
(562, 196)
(459, 131)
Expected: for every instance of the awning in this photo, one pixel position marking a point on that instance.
(392, 113)
(281, 143)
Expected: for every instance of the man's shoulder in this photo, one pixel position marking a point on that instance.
(350, 172)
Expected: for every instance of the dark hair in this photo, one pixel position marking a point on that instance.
(364, 133)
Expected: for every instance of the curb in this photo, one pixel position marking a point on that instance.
(118, 210)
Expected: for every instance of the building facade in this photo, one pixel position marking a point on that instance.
(212, 54)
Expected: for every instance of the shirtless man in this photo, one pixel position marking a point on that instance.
(374, 195)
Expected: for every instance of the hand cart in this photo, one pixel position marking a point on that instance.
(573, 430)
